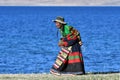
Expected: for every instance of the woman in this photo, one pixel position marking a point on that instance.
(69, 60)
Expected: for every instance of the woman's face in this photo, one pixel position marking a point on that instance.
(58, 25)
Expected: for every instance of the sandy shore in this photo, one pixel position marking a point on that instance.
(114, 76)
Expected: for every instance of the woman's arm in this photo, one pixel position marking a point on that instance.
(68, 41)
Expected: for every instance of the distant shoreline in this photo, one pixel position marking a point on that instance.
(60, 2)
(51, 6)
(62, 6)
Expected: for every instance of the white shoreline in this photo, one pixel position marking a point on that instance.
(59, 3)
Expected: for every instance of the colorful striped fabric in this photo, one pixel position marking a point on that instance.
(65, 56)
(61, 58)
(75, 57)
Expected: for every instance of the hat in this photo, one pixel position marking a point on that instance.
(60, 20)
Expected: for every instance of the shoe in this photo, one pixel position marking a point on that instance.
(55, 72)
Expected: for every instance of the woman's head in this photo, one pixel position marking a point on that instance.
(59, 22)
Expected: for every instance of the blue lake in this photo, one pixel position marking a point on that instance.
(28, 37)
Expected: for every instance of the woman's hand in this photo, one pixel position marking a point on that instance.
(80, 42)
(61, 43)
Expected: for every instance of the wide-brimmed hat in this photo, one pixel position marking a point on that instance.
(60, 20)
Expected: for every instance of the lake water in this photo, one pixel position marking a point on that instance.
(28, 37)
